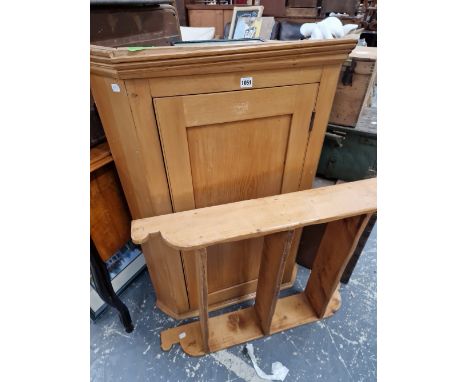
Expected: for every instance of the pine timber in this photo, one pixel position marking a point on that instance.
(346, 208)
(100, 156)
(249, 152)
(335, 250)
(200, 258)
(242, 326)
(269, 277)
(162, 61)
(203, 227)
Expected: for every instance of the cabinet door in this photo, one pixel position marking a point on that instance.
(230, 146)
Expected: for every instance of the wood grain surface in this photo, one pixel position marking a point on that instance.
(267, 152)
(241, 326)
(259, 217)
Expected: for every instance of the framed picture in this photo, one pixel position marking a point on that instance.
(243, 23)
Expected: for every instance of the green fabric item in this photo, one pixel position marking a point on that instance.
(137, 48)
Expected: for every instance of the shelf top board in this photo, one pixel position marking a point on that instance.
(224, 223)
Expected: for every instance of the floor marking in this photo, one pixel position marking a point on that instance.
(237, 366)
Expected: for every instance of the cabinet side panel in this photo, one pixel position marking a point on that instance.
(323, 107)
(304, 105)
(130, 158)
(166, 272)
(116, 116)
(146, 130)
(164, 263)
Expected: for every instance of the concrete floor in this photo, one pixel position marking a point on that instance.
(340, 348)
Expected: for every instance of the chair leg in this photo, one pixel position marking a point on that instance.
(105, 290)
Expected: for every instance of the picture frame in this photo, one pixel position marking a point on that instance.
(239, 16)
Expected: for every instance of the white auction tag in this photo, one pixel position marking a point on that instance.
(115, 88)
(246, 82)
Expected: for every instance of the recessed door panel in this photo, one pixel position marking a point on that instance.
(225, 147)
(238, 160)
(231, 162)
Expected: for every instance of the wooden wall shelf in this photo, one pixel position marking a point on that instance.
(346, 208)
(248, 219)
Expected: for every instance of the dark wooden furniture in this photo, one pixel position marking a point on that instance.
(134, 22)
(109, 226)
(110, 217)
(105, 290)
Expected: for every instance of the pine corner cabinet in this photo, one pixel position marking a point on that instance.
(192, 127)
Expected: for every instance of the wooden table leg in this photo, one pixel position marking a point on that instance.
(276, 250)
(201, 267)
(105, 290)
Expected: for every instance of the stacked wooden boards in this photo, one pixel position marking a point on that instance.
(197, 126)
(346, 208)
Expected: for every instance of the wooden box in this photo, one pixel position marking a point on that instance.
(357, 79)
(191, 127)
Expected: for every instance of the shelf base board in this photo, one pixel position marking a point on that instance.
(235, 328)
(223, 303)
